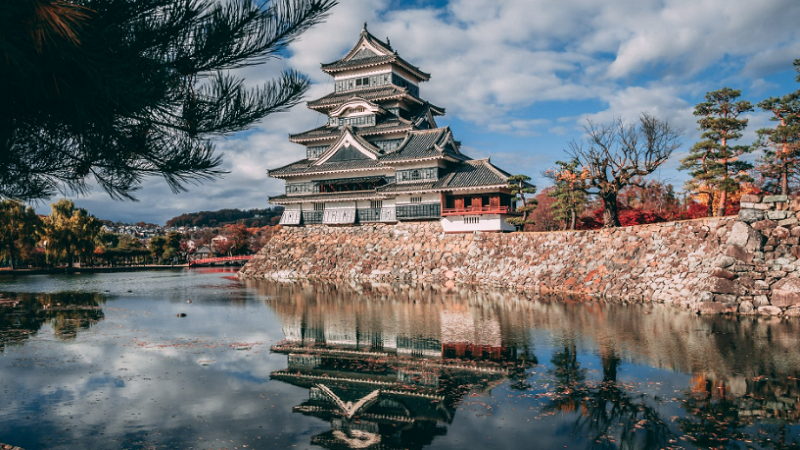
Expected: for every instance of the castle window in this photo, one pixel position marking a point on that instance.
(319, 206)
(416, 199)
(376, 204)
(428, 173)
(472, 220)
(353, 83)
(314, 152)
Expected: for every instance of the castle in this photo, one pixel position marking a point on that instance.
(381, 157)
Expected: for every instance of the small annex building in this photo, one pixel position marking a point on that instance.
(381, 157)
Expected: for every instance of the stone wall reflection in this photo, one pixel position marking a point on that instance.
(345, 343)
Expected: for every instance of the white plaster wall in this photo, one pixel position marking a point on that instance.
(405, 199)
(419, 165)
(341, 76)
(487, 222)
(340, 205)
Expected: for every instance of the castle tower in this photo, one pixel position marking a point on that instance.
(381, 157)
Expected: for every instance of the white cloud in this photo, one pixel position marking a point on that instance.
(495, 63)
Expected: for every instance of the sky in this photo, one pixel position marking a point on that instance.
(519, 80)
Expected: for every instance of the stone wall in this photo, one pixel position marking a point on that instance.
(724, 265)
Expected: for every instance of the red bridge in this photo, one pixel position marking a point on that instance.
(224, 259)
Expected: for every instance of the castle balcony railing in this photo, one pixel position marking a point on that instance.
(312, 217)
(385, 214)
(475, 210)
(419, 211)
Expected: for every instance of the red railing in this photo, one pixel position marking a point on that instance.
(198, 262)
(476, 210)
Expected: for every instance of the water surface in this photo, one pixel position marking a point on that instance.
(105, 361)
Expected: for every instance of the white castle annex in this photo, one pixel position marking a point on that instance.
(381, 157)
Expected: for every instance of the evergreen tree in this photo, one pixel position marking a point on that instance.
(119, 90)
(781, 145)
(19, 230)
(713, 163)
(519, 186)
(570, 198)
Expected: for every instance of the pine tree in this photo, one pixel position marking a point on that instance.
(119, 90)
(571, 199)
(781, 145)
(713, 163)
(519, 186)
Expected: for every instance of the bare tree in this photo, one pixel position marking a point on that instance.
(619, 154)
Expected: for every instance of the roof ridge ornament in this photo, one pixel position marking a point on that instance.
(365, 25)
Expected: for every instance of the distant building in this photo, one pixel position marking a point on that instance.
(382, 158)
(203, 252)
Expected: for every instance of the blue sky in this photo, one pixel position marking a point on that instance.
(519, 79)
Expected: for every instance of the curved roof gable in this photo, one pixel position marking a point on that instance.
(370, 51)
(355, 102)
(349, 146)
(422, 144)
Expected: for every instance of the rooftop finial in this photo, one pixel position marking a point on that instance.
(388, 43)
(365, 25)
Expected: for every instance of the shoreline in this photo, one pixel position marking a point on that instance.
(77, 270)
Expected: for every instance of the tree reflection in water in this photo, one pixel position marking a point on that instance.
(23, 315)
(766, 414)
(607, 411)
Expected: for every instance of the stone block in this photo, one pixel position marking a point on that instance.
(775, 199)
(739, 253)
(764, 225)
(788, 222)
(747, 281)
(759, 284)
(738, 268)
(769, 310)
(760, 300)
(777, 215)
(724, 261)
(723, 286)
(711, 308)
(750, 198)
(786, 292)
(795, 231)
(750, 215)
(722, 273)
(746, 307)
(745, 236)
(780, 232)
(726, 299)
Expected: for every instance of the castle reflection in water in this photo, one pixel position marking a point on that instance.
(388, 366)
(390, 373)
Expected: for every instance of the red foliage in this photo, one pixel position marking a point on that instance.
(695, 211)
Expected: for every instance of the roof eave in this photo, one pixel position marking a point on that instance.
(303, 174)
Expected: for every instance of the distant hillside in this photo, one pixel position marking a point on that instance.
(250, 217)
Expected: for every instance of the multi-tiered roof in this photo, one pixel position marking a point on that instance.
(377, 121)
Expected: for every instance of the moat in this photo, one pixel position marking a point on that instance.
(200, 360)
